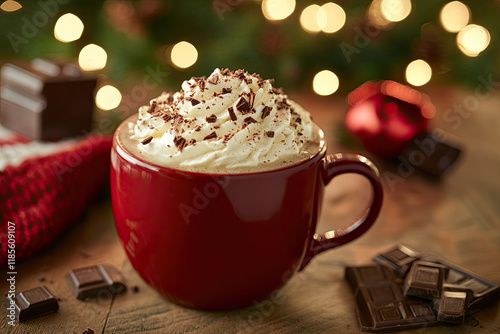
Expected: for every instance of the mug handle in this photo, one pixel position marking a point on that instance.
(341, 163)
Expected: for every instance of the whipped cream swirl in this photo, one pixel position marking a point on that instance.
(231, 119)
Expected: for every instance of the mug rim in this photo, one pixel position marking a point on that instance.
(136, 160)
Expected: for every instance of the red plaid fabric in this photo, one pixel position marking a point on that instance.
(44, 195)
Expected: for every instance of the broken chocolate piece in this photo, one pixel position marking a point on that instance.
(232, 115)
(452, 306)
(212, 118)
(270, 134)
(147, 140)
(93, 281)
(249, 120)
(180, 142)
(210, 136)
(193, 101)
(399, 258)
(214, 79)
(425, 280)
(152, 107)
(34, 303)
(243, 106)
(265, 112)
(226, 90)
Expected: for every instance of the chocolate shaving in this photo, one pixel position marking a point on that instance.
(214, 79)
(251, 99)
(210, 136)
(193, 101)
(198, 79)
(265, 112)
(177, 120)
(226, 90)
(277, 90)
(152, 107)
(243, 105)
(232, 115)
(147, 140)
(298, 120)
(197, 128)
(180, 142)
(211, 119)
(192, 141)
(225, 71)
(240, 74)
(283, 105)
(201, 83)
(270, 134)
(250, 120)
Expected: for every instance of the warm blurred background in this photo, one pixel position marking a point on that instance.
(142, 47)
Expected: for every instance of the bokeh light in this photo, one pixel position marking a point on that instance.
(92, 58)
(473, 39)
(375, 16)
(183, 54)
(454, 16)
(395, 10)
(10, 6)
(68, 28)
(309, 18)
(108, 97)
(275, 10)
(335, 17)
(325, 83)
(418, 73)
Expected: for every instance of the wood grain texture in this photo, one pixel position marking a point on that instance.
(457, 218)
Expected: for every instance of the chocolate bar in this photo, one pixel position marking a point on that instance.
(382, 307)
(34, 303)
(93, 281)
(399, 259)
(45, 100)
(425, 280)
(452, 306)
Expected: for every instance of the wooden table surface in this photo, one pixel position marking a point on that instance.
(456, 218)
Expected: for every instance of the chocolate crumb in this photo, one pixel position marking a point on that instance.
(265, 112)
(211, 119)
(225, 71)
(180, 142)
(276, 90)
(135, 289)
(243, 105)
(232, 115)
(270, 134)
(192, 141)
(147, 140)
(197, 128)
(226, 90)
(152, 107)
(210, 136)
(88, 331)
(41, 279)
(298, 120)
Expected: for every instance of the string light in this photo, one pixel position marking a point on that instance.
(183, 54)
(335, 17)
(108, 97)
(325, 83)
(10, 6)
(395, 10)
(309, 18)
(92, 58)
(454, 16)
(473, 39)
(418, 73)
(68, 28)
(275, 10)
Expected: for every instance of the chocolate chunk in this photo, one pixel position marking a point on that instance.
(381, 305)
(34, 303)
(93, 281)
(201, 84)
(192, 141)
(193, 101)
(270, 134)
(166, 117)
(46, 100)
(249, 120)
(251, 99)
(147, 140)
(425, 280)
(212, 118)
(232, 115)
(265, 112)
(436, 156)
(399, 259)
(214, 79)
(452, 306)
(225, 71)
(243, 106)
(210, 136)
(226, 90)
(180, 142)
(152, 107)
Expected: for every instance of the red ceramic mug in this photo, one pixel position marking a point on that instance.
(224, 241)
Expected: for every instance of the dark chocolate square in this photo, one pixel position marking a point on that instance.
(34, 303)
